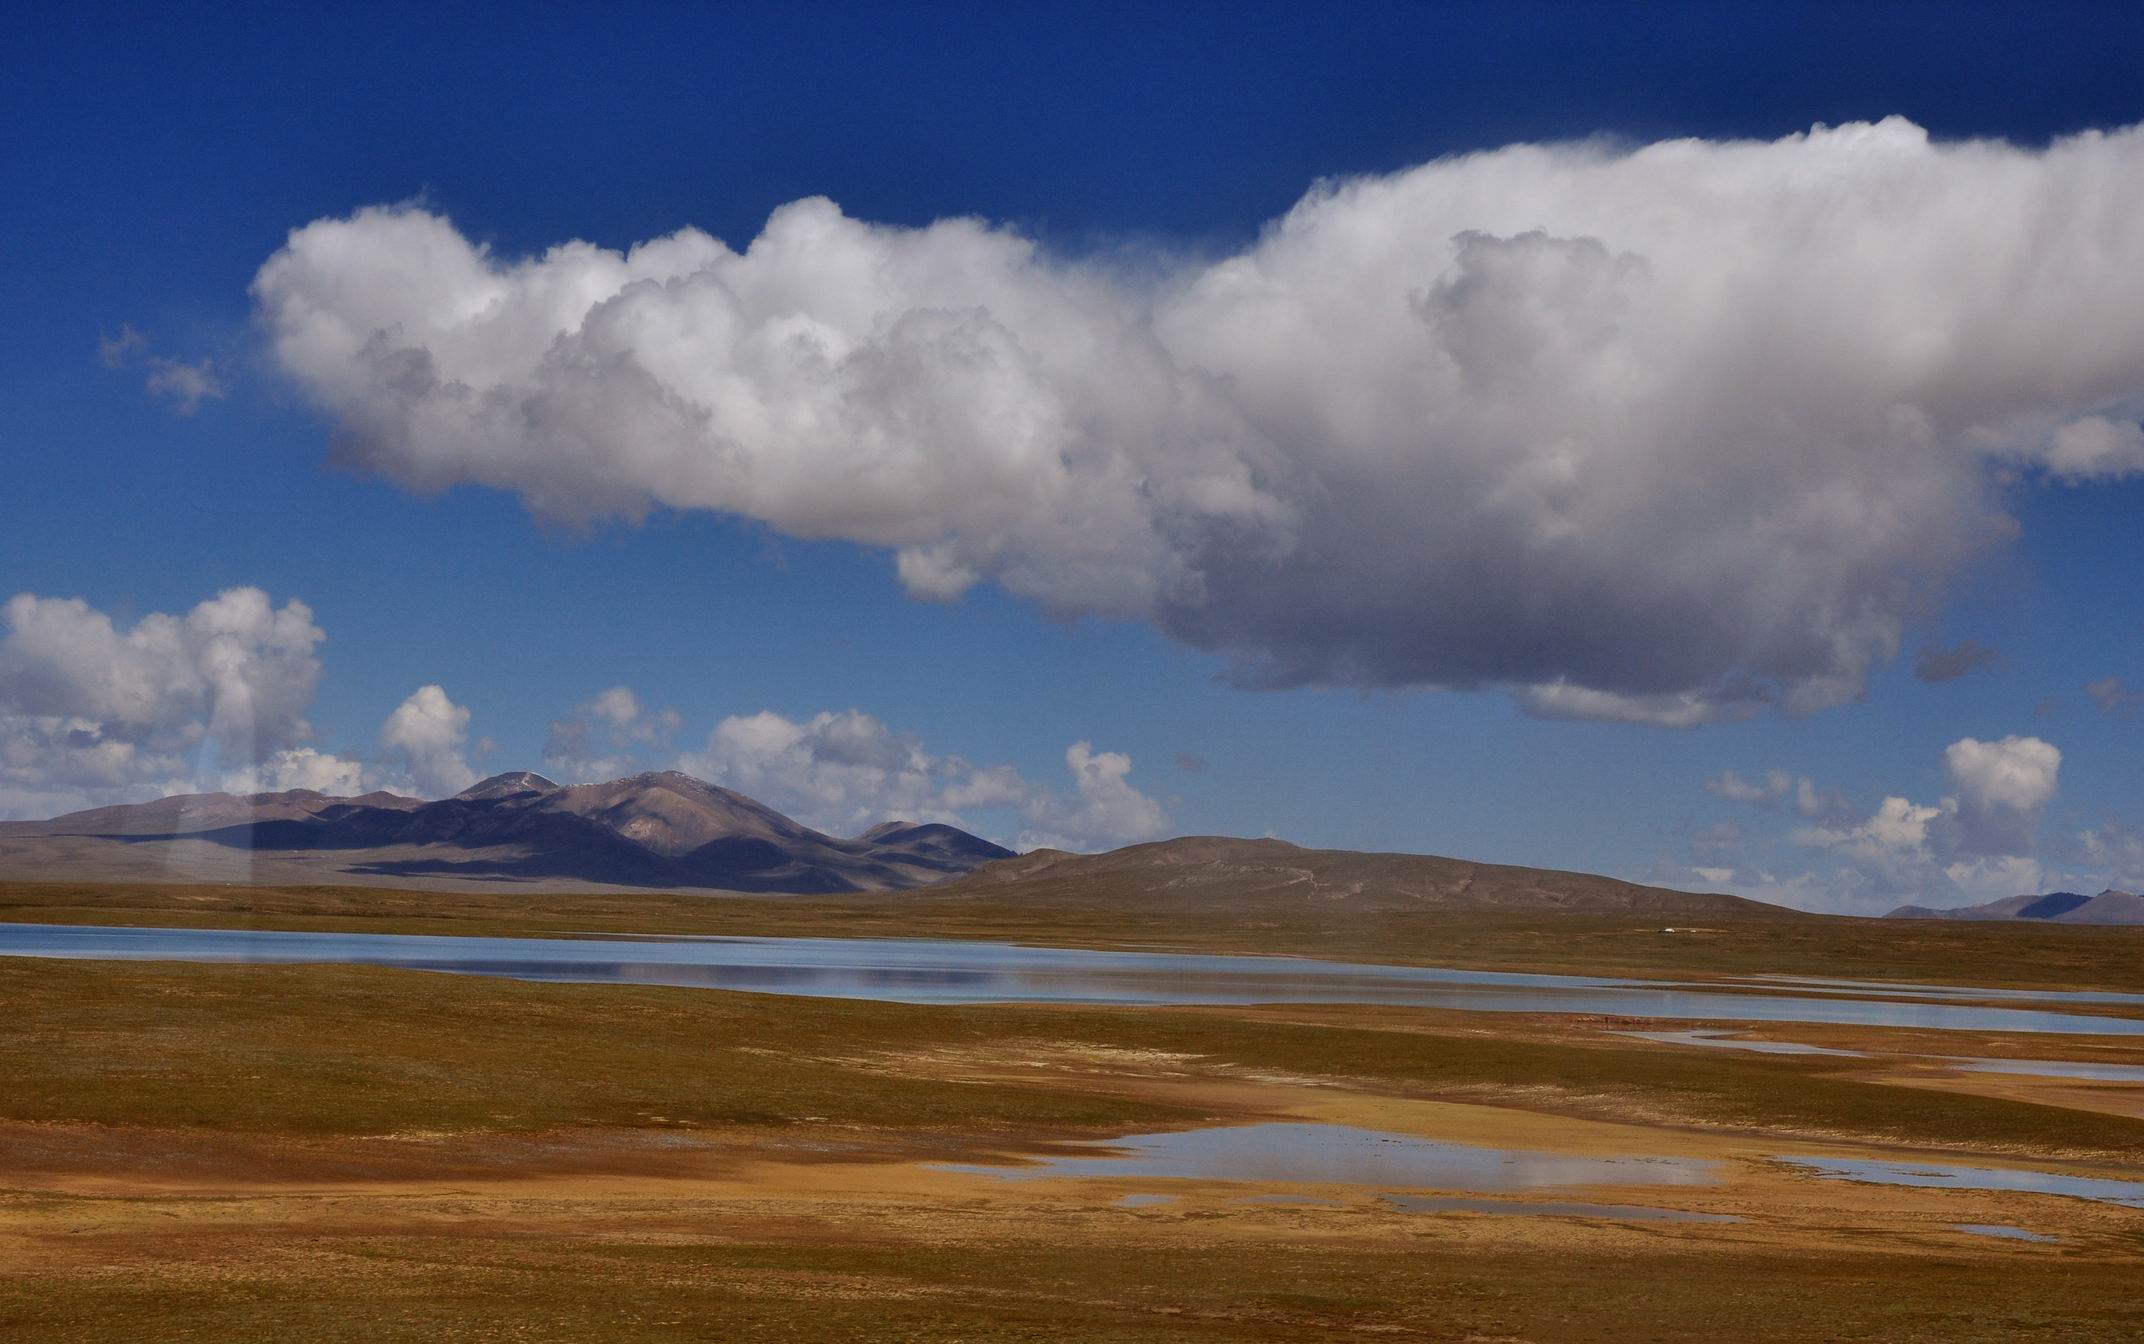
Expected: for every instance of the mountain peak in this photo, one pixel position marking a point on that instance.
(508, 785)
(674, 780)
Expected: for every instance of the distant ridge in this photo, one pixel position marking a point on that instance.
(1254, 876)
(661, 829)
(2059, 907)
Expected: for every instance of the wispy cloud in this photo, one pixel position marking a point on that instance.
(186, 384)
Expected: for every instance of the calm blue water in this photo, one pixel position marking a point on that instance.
(930, 971)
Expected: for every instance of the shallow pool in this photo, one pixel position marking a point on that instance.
(1936, 1175)
(1724, 1040)
(1620, 1212)
(1289, 1153)
(2003, 1230)
(2083, 1070)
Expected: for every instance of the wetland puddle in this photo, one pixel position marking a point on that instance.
(1290, 1153)
(1943, 1176)
(2081, 1070)
(2050, 1068)
(1619, 1212)
(2003, 1230)
(1723, 1040)
(935, 971)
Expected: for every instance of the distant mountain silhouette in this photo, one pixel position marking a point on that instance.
(2061, 907)
(662, 829)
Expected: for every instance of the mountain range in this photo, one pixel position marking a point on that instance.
(2061, 907)
(669, 830)
(662, 829)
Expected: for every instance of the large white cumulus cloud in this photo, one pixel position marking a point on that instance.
(1660, 434)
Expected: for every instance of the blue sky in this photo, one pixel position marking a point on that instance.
(161, 160)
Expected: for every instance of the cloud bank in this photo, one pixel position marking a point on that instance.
(1978, 842)
(1662, 434)
(845, 770)
(92, 710)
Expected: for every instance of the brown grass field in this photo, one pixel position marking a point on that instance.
(340, 1153)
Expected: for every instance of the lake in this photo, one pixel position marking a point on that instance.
(956, 972)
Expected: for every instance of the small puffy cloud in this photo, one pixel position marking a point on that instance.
(94, 711)
(1936, 665)
(1667, 434)
(2095, 448)
(2114, 696)
(845, 770)
(1191, 763)
(427, 732)
(2015, 772)
(1775, 785)
(2003, 787)
(186, 384)
(1777, 788)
